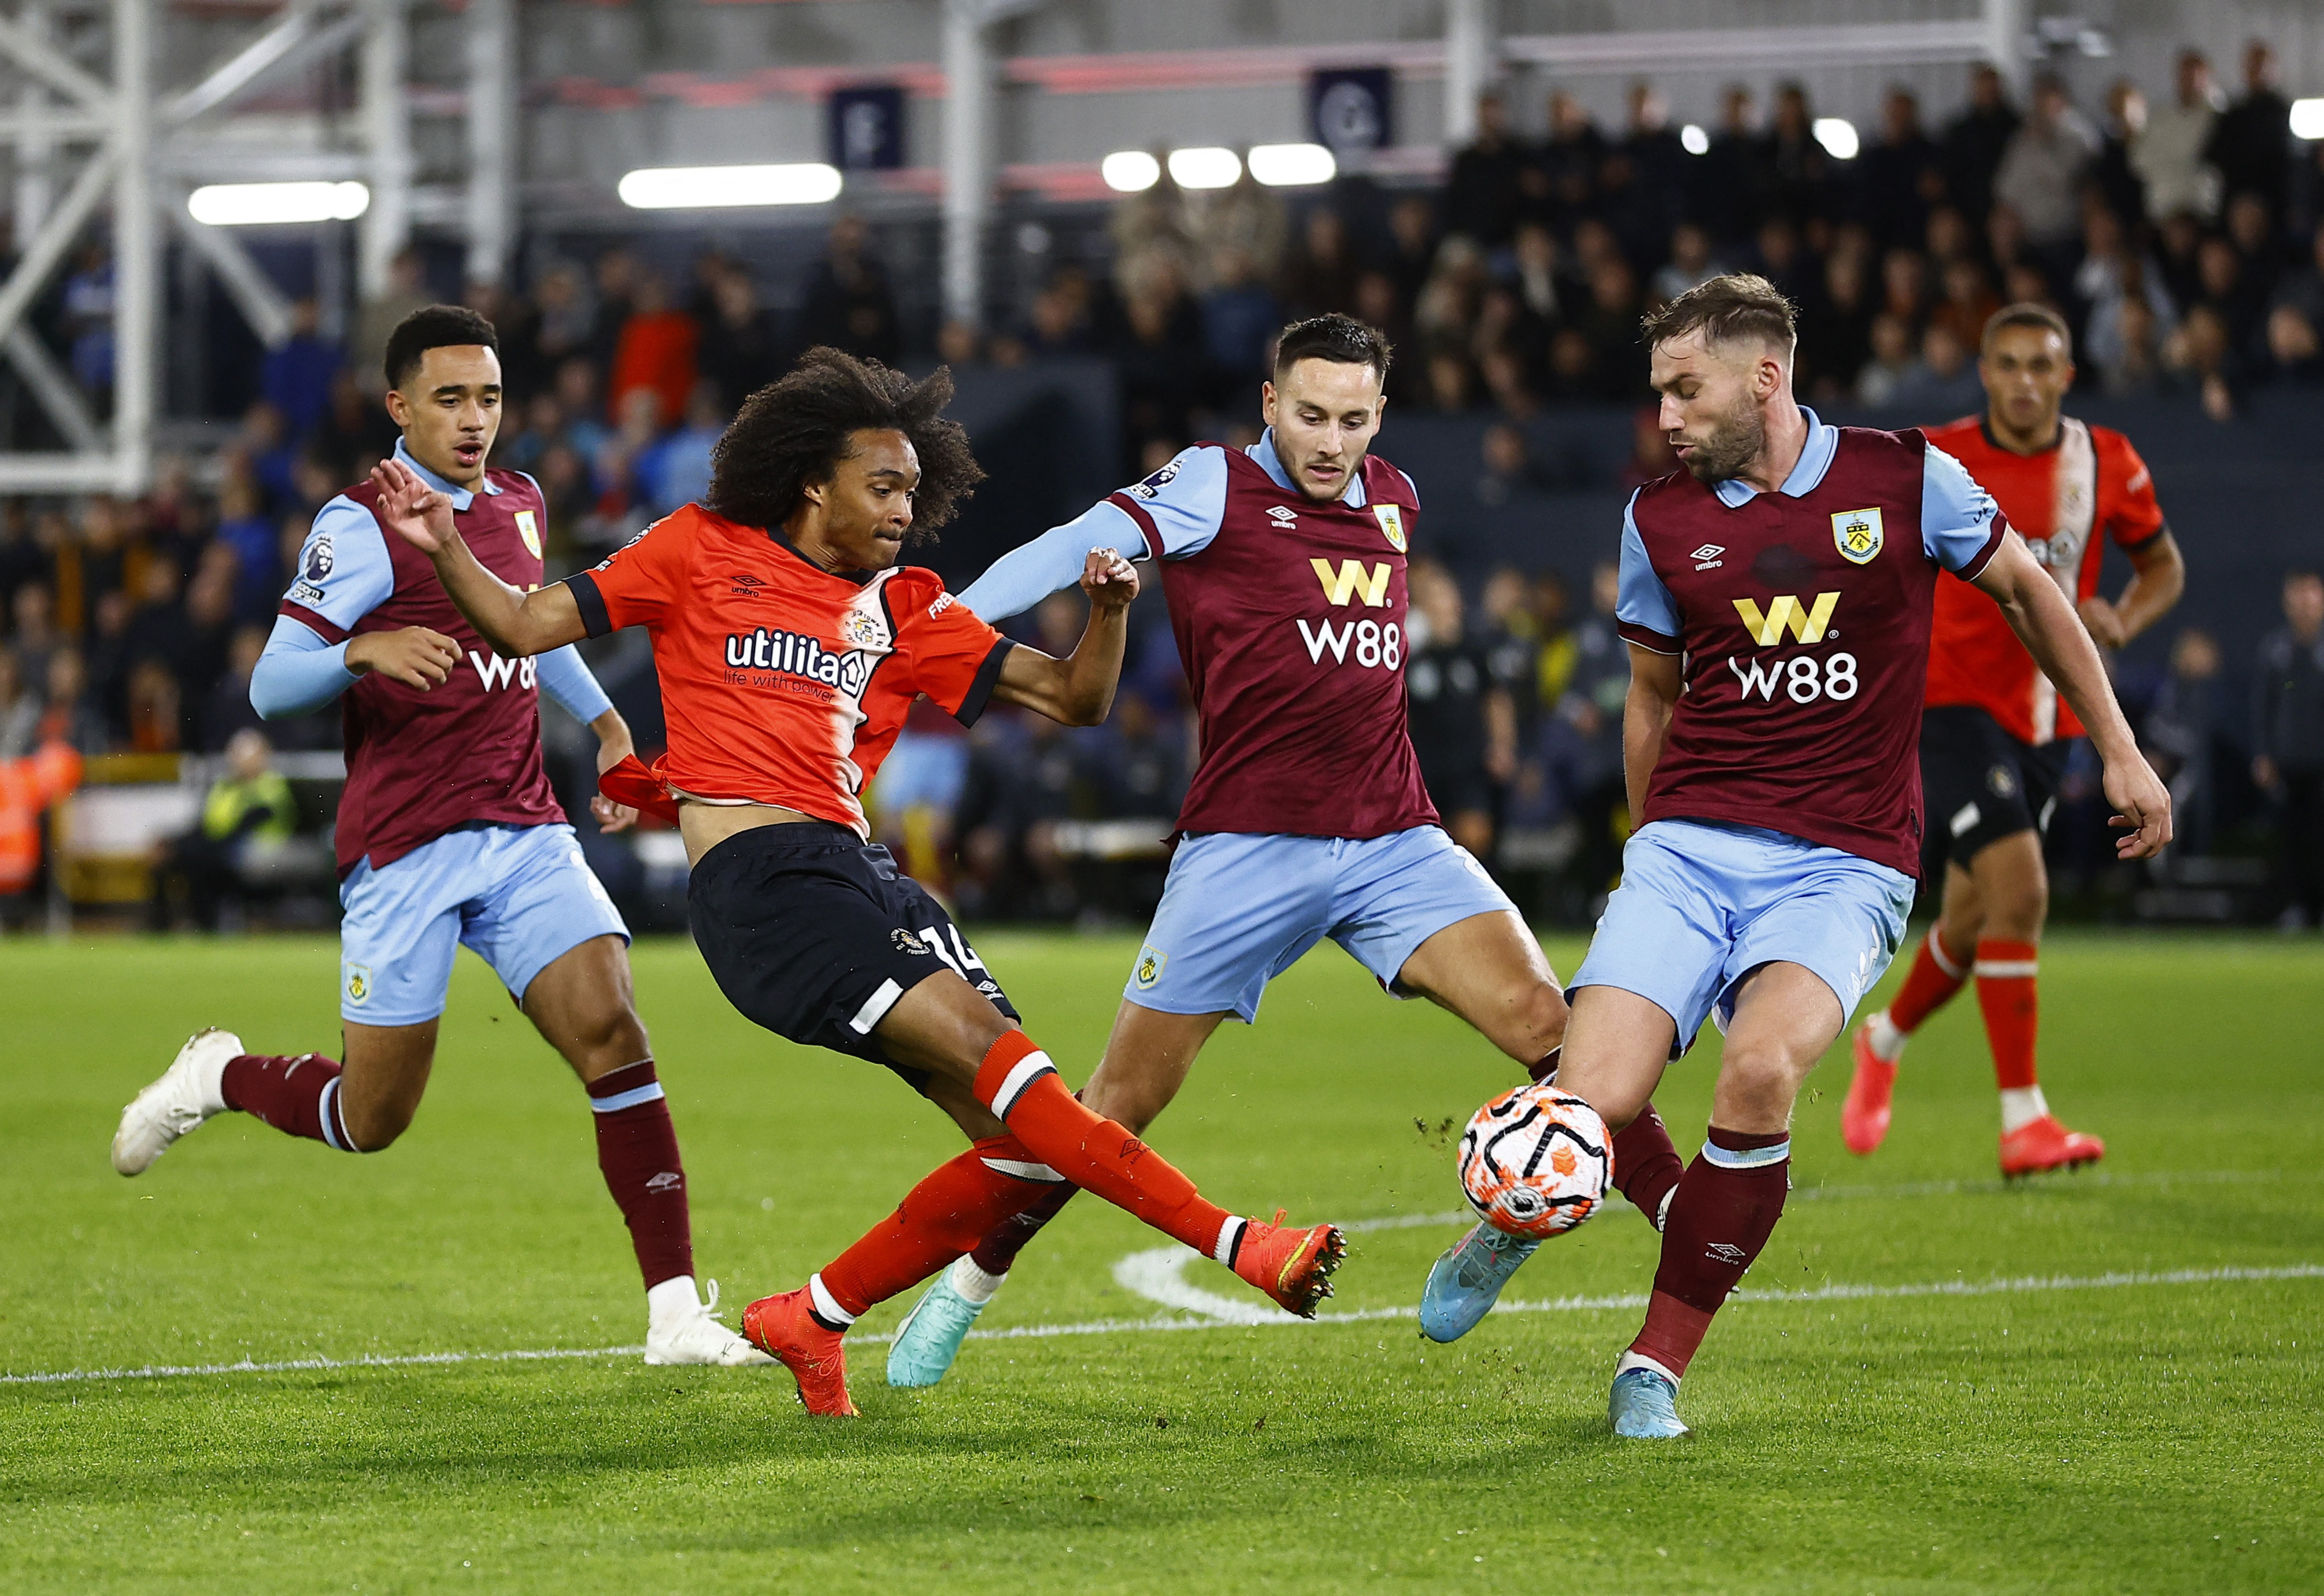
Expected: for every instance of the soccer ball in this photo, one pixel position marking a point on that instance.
(1536, 1162)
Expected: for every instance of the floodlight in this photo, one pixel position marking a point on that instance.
(1130, 171)
(1292, 166)
(696, 188)
(1206, 166)
(1837, 134)
(259, 205)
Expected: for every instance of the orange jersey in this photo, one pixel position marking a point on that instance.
(2089, 483)
(783, 683)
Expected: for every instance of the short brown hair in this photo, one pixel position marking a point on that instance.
(1334, 337)
(2026, 313)
(1739, 305)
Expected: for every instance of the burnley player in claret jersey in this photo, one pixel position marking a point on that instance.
(448, 835)
(790, 643)
(1776, 596)
(1996, 739)
(1284, 567)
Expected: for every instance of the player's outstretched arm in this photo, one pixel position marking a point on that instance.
(2054, 636)
(1654, 682)
(1078, 690)
(517, 624)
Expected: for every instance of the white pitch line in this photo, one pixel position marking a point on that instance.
(1563, 1305)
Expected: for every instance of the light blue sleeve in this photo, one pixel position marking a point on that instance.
(1956, 515)
(1184, 499)
(298, 671)
(1183, 502)
(344, 570)
(1643, 604)
(1031, 572)
(564, 677)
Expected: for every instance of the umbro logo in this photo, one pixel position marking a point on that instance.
(1725, 1253)
(747, 585)
(668, 1180)
(1283, 515)
(1707, 558)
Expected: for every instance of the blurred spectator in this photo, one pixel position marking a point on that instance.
(1651, 146)
(1945, 382)
(155, 707)
(1894, 366)
(1837, 340)
(227, 709)
(2259, 247)
(1160, 356)
(20, 708)
(614, 286)
(1690, 262)
(2127, 346)
(296, 379)
(1566, 164)
(2180, 737)
(70, 717)
(1463, 722)
(253, 538)
(406, 292)
(2251, 142)
(676, 470)
(28, 787)
(742, 352)
(1153, 222)
(849, 304)
(1585, 751)
(2120, 186)
(1734, 182)
(657, 352)
(2041, 173)
(1968, 300)
(1247, 218)
(1322, 276)
(2168, 154)
(1240, 318)
(1903, 172)
(248, 808)
(1975, 140)
(1797, 164)
(22, 559)
(1411, 244)
(35, 636)
(2288, 742)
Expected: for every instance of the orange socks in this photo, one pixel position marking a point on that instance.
(1937, 974)
(1019, 1084)
(944, 1216)
(2005, 993)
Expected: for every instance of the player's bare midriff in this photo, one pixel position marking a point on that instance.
(704, 826)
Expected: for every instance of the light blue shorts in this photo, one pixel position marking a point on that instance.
(1702, 906)
(519, 895)
(1239, 909)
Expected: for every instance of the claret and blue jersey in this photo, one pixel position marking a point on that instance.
(1783, 820)
(1307, 815)
(447, 830)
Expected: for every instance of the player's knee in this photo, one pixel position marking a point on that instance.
(1763, 1072)
(2017, 913)
(374, 1126)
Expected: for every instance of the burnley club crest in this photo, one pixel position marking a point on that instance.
(1392, 523)
(1857, 534)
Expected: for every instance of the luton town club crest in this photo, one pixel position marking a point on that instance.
(1391, 522)
(1857, 534)
(530, 531)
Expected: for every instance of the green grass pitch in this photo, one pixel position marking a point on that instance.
(2153, 1426)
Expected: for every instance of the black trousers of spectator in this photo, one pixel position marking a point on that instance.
(1599, 860)
(2304, 842)
(207, 868)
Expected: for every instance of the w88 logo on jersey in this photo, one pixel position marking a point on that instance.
(1803, 679)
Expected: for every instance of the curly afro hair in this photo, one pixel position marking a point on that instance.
(797, 430)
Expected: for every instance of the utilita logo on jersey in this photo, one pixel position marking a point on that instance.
(1369, 643)
(788, 654)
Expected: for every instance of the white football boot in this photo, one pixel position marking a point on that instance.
(681, 1329)
(189, 1090)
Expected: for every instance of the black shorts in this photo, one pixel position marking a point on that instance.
(1981, 784)
(814, 935)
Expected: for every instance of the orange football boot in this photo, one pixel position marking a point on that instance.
(2045, 1144)
(783, 1328)
(1864, 1117)
(1294, 1266)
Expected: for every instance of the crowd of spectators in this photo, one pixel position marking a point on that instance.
(2184, 240)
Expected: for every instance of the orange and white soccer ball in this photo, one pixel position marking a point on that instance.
(1536, 1162)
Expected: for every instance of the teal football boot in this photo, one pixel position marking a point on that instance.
(1467, 1280)
(930, 1338)
(1644, 1406)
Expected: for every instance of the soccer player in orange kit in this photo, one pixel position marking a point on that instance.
(1995, 737)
